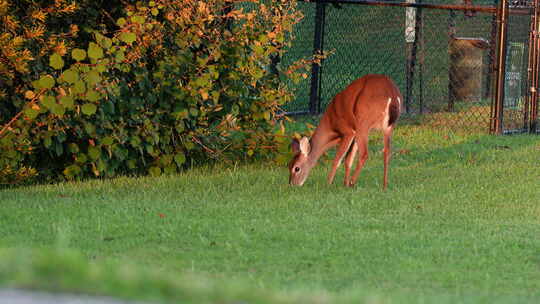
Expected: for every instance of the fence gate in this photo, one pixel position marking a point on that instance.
(467, 65)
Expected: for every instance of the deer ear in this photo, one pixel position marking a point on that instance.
(305, 147)
(295, 145)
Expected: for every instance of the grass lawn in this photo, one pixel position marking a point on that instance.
(460, 223)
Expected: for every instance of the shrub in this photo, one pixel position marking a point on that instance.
(169, 83)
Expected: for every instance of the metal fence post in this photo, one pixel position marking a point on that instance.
(498, 98)
(534, 61)
(318, 43)
(412, 38)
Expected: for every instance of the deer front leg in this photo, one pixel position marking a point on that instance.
(343, 147)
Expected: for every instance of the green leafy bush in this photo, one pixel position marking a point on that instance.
(169, 83)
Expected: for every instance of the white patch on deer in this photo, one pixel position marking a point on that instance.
(343, 156)
(386, 119)
(353, 150)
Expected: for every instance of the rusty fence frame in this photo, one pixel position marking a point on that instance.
(501, 12)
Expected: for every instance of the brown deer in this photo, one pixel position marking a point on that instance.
(370, 102)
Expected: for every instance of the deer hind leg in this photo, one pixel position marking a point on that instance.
(387, 153)
(342, 148)
(349, 160)
(362, 146)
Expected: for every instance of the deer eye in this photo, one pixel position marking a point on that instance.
(296, 169)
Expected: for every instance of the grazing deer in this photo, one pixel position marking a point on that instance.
(370, 102)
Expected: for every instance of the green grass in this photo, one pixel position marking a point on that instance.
(458, 224)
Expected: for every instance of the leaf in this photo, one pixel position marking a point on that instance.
(81, 158)
(93, 95)
(79, 87)
(56, 61)
(29, 94)
(78, 54)
(94, 152)
(189, 145)
(58, 109)
(154, 11)
(89, 108)
(138, 19)
(180, 159)
(107, 141)
(70, 76)
(259, 50)
(93, 77)
(67, 102)
(101, 67)
(120, 56)
(46, 82)
(72, 171)
(31, 113)
(95, 51)
(105, 42)
(180, 126)
(128, 37)
(154, 171)
(170, 170)
(121, 21)
(48, 101)
(73, 148)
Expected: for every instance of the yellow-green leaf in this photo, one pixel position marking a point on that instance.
(72, 171)
(258, 49)
(70, 76)
(154, 171)
(93, 77)
(56, 61)
(89, 108)
(128, 37)
(95, 51)
(93, 95)
(81, 158)
(94, 152)
(48, 101)
(67, 101)
(138, 19)
(78, 54)
(120, 56)
(46, 82)
(58, 109)
(31, 113)
(121, 21)
(73, 148)
(179, 159)
(79, 87)
(108, 140)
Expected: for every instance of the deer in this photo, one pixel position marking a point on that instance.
(371, 102)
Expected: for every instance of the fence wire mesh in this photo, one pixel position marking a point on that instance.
(301, 47)
(445, 72)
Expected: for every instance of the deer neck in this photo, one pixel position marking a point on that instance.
(320, 142)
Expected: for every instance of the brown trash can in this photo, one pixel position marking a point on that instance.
(466, 72)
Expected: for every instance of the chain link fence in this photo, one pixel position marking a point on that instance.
(441, 54)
